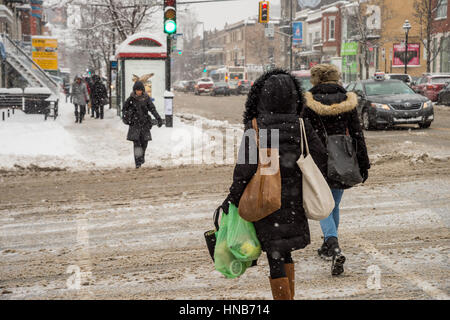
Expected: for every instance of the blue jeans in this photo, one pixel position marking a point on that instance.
(330, 225)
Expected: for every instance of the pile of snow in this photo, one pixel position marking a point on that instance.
(27, 141)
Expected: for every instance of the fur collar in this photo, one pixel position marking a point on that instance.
(334, 109)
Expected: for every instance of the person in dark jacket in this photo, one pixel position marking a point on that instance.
(135, 114)
(99, 95)
(332, 110)
(276, 101)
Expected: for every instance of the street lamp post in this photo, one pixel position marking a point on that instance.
(406, 27)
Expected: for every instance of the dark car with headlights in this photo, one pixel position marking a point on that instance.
(444, 96)
(244, 87)
(220, 88)
(385, 103)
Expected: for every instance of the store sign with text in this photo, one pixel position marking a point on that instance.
(412, 57)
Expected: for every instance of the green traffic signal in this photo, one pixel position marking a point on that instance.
(170, 27)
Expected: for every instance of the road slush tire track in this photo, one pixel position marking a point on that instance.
(164, 256)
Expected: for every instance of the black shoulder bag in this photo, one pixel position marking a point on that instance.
(343, 166)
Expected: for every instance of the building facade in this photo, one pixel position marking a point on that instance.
(441, 37)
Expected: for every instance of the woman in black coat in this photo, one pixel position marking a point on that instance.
(135, 114)
(275, 100)
(332, 110)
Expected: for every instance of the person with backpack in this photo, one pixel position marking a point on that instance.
(275, 101)
(135, 115)
(331, 110)
(79, 97)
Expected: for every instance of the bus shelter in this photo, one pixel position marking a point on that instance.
(142, 57)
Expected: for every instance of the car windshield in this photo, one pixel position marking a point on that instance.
(220, 84)
(440, 80)
(205, 80)
(387, 88)
(305, 82)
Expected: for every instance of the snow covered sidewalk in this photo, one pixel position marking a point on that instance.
(29, 141)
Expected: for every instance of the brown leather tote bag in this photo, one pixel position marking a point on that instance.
(262, 196)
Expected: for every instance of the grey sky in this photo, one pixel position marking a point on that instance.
(215, 15)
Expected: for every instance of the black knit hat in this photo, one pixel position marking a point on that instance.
(138, 86)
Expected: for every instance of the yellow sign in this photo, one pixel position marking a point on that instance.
(45, 52)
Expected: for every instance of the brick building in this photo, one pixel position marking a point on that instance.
(441, 36)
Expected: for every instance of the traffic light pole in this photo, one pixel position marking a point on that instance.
(168, 96)
(291, 38)
(168, 62)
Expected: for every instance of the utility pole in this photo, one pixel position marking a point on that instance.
(291, 43)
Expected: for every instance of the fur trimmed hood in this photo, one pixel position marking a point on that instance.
(331, 110)
(276, 91)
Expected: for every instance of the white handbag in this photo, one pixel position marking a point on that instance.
(318, 200)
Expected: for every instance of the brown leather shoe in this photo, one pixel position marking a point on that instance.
(290, 273)
(280, 289)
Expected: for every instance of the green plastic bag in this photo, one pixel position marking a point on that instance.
(241, 237)
(237, 245)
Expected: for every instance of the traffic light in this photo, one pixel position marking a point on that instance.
(170, 16)
(264, 12)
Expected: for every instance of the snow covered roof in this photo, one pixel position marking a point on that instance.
(37, 91)
(331, 10)
(143, 45)
(11, 91)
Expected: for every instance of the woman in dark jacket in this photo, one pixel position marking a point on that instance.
(332, 110)
(135, 114)
(275, 100)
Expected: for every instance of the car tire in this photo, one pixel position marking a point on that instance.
(424, 125)
(366, 124)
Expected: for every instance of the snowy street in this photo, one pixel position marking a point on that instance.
(77, 221)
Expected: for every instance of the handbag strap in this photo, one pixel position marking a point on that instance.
(303, 138)
(255, 127)
(216, 218)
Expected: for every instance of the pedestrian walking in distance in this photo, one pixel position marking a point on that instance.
(80, 98)
(135, 114)
(99, 96)
(331, 110)
(276, 101)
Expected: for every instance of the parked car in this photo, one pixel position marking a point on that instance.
(304, 78)
(244, 86)
(399, 76)
(444, 96)
(385, 103)
(179, 85)
(220, 88)
(189, 86)
(203, 85)
(430, 85)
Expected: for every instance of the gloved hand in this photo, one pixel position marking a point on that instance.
(364, 174)
(160, 123)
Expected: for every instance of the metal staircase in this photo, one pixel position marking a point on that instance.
(25, 65)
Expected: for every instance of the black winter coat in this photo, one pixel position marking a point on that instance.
(99, 93)
(332, 110)
(278, 107)
(135, 114)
